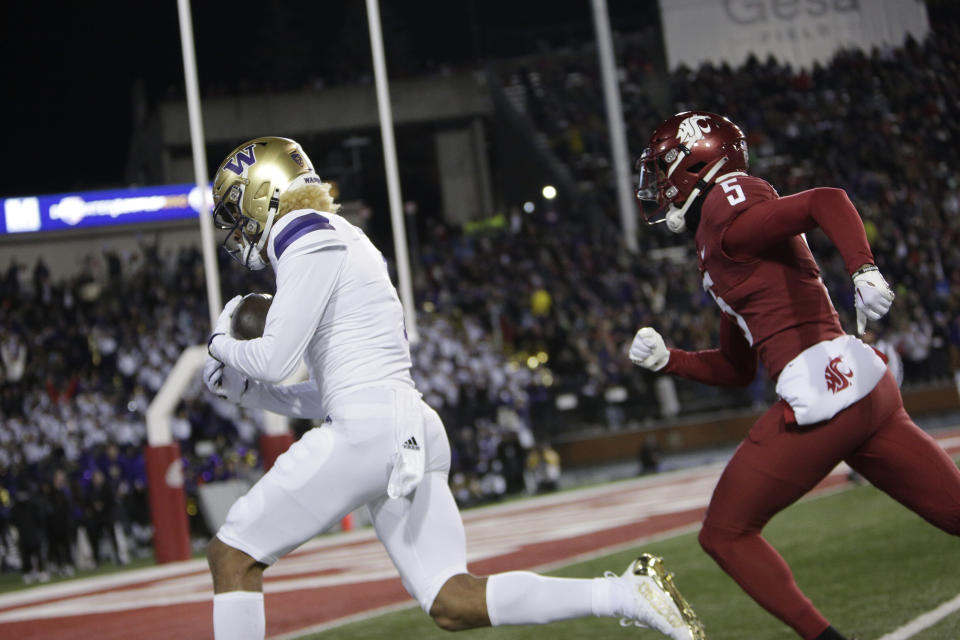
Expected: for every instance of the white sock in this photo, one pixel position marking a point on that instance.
(611, 598)
(238, 615)
(521, 597)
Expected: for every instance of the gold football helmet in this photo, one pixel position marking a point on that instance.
(246, 193)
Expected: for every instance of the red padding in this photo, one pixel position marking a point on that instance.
(271, 446)
(168, 505)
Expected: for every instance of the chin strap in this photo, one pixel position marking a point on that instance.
(675, 216)
(256, 250)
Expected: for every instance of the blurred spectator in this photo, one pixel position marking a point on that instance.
(99, 517)
(13, 353)
(60, 525)
(27, 516)
(511, 457)
(649, 455)
(543, 467)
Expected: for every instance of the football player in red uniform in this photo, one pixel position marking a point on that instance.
(838, 402)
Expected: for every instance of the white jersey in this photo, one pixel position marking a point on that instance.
(334, 307)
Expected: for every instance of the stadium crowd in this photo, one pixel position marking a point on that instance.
(515, 323)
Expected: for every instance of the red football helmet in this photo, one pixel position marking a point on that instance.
(684, 156)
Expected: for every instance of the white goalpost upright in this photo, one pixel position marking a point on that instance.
(171, 540)
(626, 202)
(393, 175)
(168, 512)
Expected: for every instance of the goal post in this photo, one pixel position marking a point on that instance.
(275, 439)
(168, 504)
(164, 464)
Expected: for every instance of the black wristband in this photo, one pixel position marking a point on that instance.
(210, 342)
(864, 269)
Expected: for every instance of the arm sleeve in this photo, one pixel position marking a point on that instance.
(304, 286)
(301, 400)
(769, 223)
(734, 364)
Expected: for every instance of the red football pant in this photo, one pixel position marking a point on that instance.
(777, 464)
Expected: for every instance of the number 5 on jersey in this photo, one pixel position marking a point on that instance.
(734, 190)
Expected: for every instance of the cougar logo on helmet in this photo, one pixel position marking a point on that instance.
(245, 156)
(674, 170)
(691, 131)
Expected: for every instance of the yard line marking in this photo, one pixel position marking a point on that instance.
(924, 621)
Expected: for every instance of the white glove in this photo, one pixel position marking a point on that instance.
(223, 322)
(648, 350)
(872, 296)
(223, 381)
(222, 328)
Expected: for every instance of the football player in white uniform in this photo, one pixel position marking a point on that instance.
(379, 445)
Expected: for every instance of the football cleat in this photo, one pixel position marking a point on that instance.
(660, 605)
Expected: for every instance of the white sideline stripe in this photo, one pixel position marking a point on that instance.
(924, 621)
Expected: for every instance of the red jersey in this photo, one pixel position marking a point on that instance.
(756, 264)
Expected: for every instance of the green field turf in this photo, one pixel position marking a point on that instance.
(866, 562)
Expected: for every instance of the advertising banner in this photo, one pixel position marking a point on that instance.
(99, 208)
(795, 32)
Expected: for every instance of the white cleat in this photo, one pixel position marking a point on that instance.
(659, 604)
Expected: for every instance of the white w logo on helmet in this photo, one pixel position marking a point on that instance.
(691, 131)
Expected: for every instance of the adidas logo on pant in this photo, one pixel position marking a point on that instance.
(411, 443)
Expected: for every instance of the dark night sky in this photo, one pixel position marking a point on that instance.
(69, 66)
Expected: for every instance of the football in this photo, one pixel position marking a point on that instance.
(250, 316)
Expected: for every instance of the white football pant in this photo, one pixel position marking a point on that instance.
(345, 464)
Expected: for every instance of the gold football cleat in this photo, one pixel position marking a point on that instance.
(669, 602)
